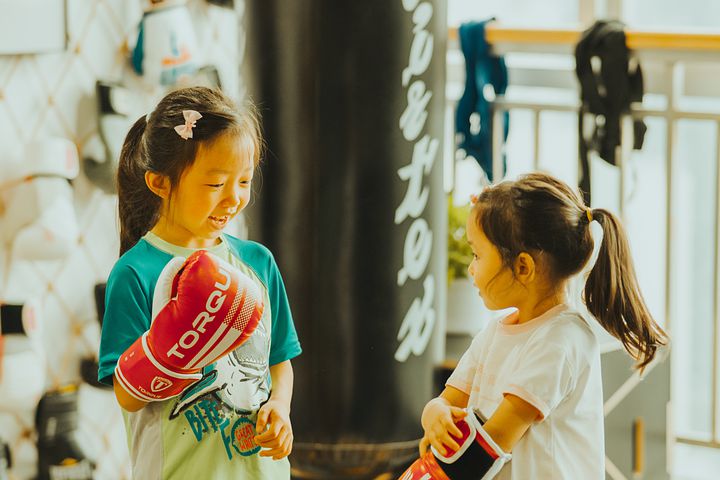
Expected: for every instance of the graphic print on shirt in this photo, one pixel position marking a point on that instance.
(221, 406)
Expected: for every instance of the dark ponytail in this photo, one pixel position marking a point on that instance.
(153, 145)
(139, 207)
(613, 296)
(539, 214)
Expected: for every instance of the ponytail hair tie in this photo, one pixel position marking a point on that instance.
(588, 213)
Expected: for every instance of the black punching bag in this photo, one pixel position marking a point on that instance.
(351, 203)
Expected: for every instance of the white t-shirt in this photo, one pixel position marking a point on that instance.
(553, 363)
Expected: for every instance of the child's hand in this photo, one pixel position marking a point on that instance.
(424, 445)
(438, 421)
(277, 440)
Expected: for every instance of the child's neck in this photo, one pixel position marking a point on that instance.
(536, 305)
(174, 237)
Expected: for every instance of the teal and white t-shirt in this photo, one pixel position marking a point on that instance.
(207, 431)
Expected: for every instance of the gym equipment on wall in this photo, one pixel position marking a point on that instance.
(37, 215)
(89, 365)
(117, 110)
(166, 49)
(59, 455)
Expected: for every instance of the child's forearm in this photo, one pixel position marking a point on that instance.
(126, 401)
(455, 397)
(282, 382)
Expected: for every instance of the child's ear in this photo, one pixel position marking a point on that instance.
(525, 268)
(158, 184)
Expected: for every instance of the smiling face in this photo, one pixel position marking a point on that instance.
(210, 192)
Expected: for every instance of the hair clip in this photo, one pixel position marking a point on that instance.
(474, 199)
(191, 117)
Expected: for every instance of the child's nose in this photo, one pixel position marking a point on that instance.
(234, 195)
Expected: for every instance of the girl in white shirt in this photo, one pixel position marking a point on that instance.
(535, 375)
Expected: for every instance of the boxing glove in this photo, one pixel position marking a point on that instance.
(203, 308)
(39, 220)
(478, 457)
(89, 365)
(166, 50)
(5, 462)
(22, 358)
(59, 454)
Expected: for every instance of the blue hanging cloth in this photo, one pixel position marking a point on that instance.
(481, 69)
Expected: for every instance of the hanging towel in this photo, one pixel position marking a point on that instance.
(605, 94)
(473, 117)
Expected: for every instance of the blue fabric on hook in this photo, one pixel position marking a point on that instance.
(481, 68)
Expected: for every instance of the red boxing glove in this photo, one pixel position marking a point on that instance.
(203, 308)
(425, 468)
(477, 458)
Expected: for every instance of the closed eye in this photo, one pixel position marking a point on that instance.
(215, 185)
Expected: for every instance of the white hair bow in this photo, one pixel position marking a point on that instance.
(191, 117)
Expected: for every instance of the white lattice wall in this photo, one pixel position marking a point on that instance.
(54, 95)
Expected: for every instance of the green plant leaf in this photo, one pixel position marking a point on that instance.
(459, 252)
